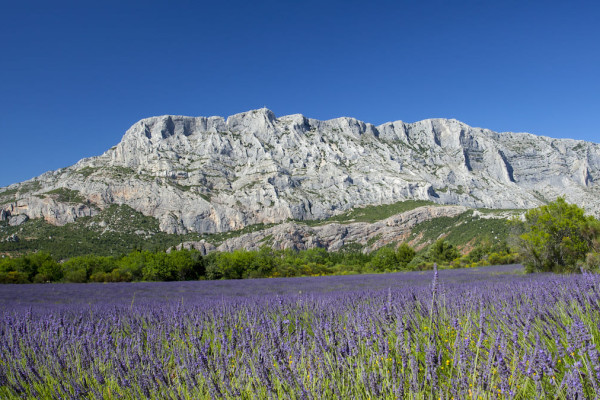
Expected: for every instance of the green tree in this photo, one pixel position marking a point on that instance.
(442, 252)
(156, 267)
(384, 259)
(211, 266)
(556, 237)
(10, 273)
(184, 265)
(232, 265)
(38, 267)
(132, 265)
(264, 264)
(48, 271)
(82, 268)
(404, 255)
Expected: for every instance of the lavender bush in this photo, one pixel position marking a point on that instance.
(479, 333)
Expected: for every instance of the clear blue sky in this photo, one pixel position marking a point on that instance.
(75, 75)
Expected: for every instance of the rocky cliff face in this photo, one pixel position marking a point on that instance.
(332, 236)
(215, 174)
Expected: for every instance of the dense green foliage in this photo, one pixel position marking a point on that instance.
(377, 213)
(239, 264)
(139, 265)
(445, 253)
(462, 229)
(189, 265)
(442, 251)
(558, 237)
(185, 265)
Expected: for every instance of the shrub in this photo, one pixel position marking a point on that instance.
(557, 237)
(13, 277)
(78, 275)
(404, 255)
(592, 262)
(442, 252)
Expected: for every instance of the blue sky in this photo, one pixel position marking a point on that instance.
(75, 75)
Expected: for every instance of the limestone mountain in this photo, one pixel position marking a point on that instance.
(210, 174)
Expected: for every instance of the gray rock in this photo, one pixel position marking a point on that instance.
(333, 236)
(17, 220)
(12, 238)
(215, 175)
(3, 215)
(202, 246)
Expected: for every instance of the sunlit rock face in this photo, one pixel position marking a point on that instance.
(334, 236)
(211, 174)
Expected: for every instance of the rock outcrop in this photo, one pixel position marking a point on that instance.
(202, 246)
(12, 238)
(215, 175)
(17, 220)
(334, 236)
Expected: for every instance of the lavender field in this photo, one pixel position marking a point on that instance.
(488, 332)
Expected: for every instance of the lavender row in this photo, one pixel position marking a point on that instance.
(493, 336)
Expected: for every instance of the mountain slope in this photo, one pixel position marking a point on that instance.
(118, 229)
(210, 175)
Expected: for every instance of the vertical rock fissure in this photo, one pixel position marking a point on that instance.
(507, 166)
(467, 160)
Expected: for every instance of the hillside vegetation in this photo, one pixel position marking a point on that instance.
(119, 229)
(40, 267)
(123, 245)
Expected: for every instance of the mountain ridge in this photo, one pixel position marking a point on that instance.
(215, 174)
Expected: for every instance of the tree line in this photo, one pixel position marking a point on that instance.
(138, 265)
